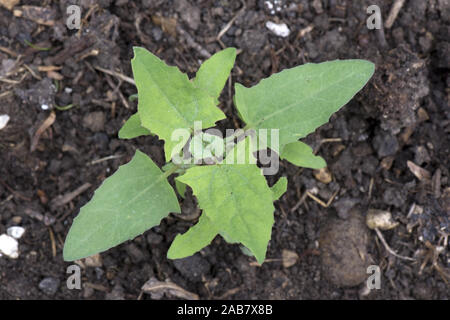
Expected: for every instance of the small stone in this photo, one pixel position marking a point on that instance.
(421, 155)
(343, 247)
(93, 261)
(4, 119)
(385, 144)
(192, 267)
(343, 207)
(289, 258)
(95, 121)
(117, 293)
(9, 246)
(380, 219)
(49, 285)
(154, 238)
(323, 175)
(279, 29)
(16, 232)
(157, 33)
(189, 13)
(135, 253)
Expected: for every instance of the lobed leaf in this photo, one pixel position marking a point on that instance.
(132, 128)
(302, 155)
(279, 188)
(214, 72)
(192, 241)
(298, 100)
(168, 100)
(237, 200)
(134, 199)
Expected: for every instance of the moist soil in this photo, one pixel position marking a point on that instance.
(388, 149)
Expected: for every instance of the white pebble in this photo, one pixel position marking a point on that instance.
(280, 29)
(4, 119)
(15, 232)
(67, 90)
(380, 219)
(9, 246)
(44, 107)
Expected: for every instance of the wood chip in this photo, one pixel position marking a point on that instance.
(422, 115)
(93, 261)
(380, 219)
(54, 75)
(44, 126)
(48, 68)
(386, 162)
(420, 173)
(168, 288)
(436, 183)
(396, 7)
(289, 258)
(168, 25)
(66, 198)
(9, 4)
(40, 15)
(323, 175)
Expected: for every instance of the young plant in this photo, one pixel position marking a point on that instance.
(234, 196)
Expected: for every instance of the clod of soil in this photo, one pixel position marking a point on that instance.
(343, 246)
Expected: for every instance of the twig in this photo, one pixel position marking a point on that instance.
(169, 288)
(396, 7)
(34, 74)
(9, 51)
(52, 240)
(44, 126)
(192, 43)
(299, 203)
(323, 204)
(230, 23)
(14, 192)
(116, 74)
(116, 89)
(63, 199)
(111, 157)
(380, 236)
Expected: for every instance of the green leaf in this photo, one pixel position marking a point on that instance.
(302, 155)
(134, 199)
(214, 72)
(181, 188)
(204, 145)
(237, 200)
(297, 101)
(132, 128)
(168, 100)
(192, 241)
(279, 188)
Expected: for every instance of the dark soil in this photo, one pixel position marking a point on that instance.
(402, 115)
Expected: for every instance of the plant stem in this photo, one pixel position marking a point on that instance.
(171, 170)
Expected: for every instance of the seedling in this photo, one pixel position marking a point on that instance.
(234, 196)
